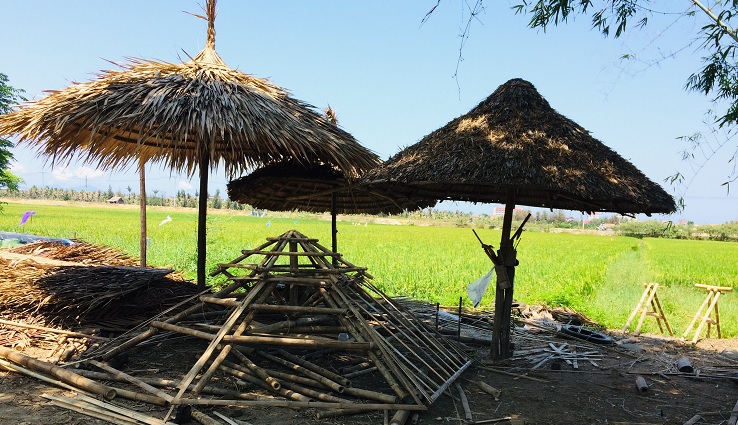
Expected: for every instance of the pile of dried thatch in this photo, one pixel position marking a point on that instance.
(81, 284)
(80, 252)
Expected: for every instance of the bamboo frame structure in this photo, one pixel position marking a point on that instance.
(708, 313)
(649, 297)
(288, 300)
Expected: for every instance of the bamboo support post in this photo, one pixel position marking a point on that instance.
(62, 374)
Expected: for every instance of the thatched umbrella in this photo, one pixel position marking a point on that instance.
(290, 185)
(513, 148)
(188, 116)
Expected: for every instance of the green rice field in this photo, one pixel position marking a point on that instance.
(599, 276)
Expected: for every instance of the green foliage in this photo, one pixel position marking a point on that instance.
(718, 77)
(9, 96)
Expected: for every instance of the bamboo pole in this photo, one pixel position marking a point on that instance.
(167, 383)
(302, 404)
(298, 342)
(147, 334)
(88, 409)
(142, 208)
(235, 314)
(133, 380)
(52, 330)
(62, 374)
(359, 335)
(203, 418)
(246, 378)
(299, 369)
(258, 371)
(297, 309)
(303, 321)
(237, 333)
(315, 368)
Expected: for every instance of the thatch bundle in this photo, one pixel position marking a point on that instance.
(81, 252)
(515, 140)
(82, 294)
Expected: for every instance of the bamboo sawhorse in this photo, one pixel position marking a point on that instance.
(711, 302)
(649, 297)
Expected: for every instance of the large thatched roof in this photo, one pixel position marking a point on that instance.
(514, 139)
(182, 115)
(290, 185)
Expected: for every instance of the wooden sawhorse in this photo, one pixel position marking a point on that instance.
(711, 302)
(649, 297)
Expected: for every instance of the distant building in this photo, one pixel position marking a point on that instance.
(116, 200)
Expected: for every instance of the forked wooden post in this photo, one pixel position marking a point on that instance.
(704, 315)
(649, 297)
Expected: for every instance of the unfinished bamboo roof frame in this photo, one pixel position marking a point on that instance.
(289, 295)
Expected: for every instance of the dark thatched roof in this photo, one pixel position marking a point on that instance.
(182, 115)
(291, 186)
(515, 140)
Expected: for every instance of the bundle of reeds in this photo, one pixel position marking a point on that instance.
(77, 295)
(80, 252)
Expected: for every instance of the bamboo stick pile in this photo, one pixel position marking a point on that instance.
(297, 326)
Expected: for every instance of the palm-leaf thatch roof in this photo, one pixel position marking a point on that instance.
(515, 140)
(179, 115)
(291, 185)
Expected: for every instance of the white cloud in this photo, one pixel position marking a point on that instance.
(184, 185)
(88, 172)
(16, 167)
(63, 174)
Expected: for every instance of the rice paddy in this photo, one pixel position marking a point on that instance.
(601, 276)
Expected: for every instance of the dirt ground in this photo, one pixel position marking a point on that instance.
(601, 390)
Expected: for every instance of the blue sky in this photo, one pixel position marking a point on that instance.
(389, 78)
